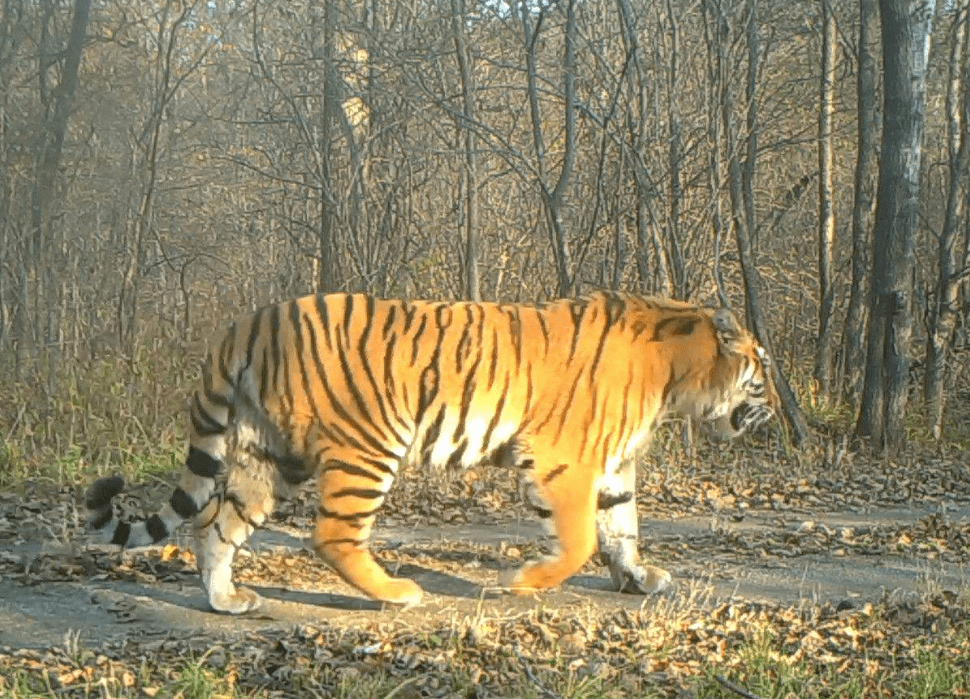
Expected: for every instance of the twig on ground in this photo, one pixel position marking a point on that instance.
(401, 686)
(532, 676)
(737, 689)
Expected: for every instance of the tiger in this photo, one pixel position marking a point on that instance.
(347, 388)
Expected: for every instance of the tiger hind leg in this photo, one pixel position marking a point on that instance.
(350, 497)
(618, 531)
(568, 491)
(222, 529)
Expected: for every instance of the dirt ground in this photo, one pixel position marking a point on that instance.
(747, 543)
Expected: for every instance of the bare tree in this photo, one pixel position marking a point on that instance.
(863, 206)
(906, 32)
(952, 268)
(553, 196)
(466, 73)
(826, 212)
(741, 193)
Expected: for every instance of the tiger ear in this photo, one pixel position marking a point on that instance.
(728, 328)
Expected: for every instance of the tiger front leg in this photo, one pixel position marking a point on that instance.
(568, 490)
(617, 532)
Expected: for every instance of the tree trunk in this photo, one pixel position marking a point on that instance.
(906, 26)
(472, 283)
(943, 315)
(826, 213)
(553, 199)
(741, 190)
(853, 346)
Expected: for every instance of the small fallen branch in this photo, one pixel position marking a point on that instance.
(532, 676)
(737, 689)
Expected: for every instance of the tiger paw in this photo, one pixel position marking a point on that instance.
(645, 579)
(238, 601)
(403, 592)
(512, 581)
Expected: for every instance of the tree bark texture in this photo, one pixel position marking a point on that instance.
(950, 260)
(863, 205)
(906, 28)
(826, 211)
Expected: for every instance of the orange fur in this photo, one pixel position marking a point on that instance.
(344, 388)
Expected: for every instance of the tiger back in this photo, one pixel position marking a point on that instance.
(345, 388)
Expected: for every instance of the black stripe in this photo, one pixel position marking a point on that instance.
(363, 410)
(668, 387)
(389, 321)
(227, 349)
(351, 470)
(434, 431)
(335, 405)
(416, 338)
(120, 537)
(345, 540)
(567, 404)
(454, 461)
(328, 514)
(464, 342)
(554, 473)
(576, 311)
(467, 394)
(542, 512)
(254, 328)
(183, 504)
(674, 326)
(605, 501)
(296, 323)
(614, 309)
(409, 311)
(203, 423)
(101, 492)
(368, 371)
(497, 415)
(156, 528)
(515, 334)
(540, 316)
(274, 338)
(202, 464)
(323, 315)
(493, 362)
(102, 519)
(365, 493)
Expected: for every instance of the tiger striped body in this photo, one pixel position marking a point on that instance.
(345, 388)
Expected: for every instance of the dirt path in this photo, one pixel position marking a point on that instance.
(51, 591)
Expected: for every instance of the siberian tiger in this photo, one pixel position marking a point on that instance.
(344, 388)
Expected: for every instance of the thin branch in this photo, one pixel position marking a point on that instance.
(737, 689)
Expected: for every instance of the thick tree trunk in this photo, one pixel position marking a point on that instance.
(906, 26)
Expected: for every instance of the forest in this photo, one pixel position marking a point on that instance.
(166, 165)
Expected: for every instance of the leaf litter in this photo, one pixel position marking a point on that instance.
(662, 647)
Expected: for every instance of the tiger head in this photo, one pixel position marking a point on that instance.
(740, 395)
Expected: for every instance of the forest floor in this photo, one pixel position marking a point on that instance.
(839, 573)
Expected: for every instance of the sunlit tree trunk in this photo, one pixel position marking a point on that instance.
(826, 212)
(952, 263)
